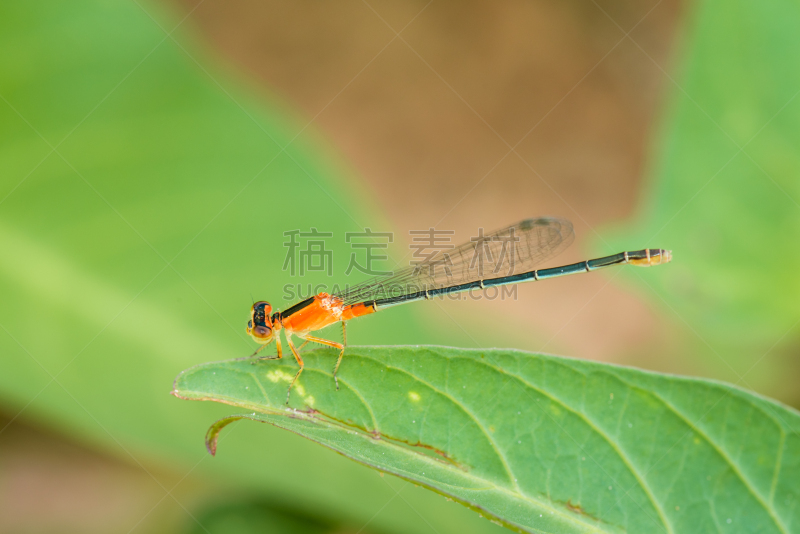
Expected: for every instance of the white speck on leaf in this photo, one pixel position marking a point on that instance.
(729, 520)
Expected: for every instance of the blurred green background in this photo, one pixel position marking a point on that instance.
(153, 153)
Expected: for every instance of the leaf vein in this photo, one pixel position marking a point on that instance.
(778, 462)
(464, 409)
(620, 453)
(261, 387)
(734, 467)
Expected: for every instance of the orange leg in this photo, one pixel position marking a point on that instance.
(299, 362)
(339, 361)
(333, 344)
(277, 346)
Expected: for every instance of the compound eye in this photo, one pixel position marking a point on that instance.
(262, 305)
(261, 311)
(249, 324)
(263, 331)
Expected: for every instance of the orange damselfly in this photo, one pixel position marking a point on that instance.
(504, 257)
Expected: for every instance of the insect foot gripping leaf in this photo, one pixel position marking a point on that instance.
(538, 443)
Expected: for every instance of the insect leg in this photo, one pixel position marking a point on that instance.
(299, 362)
(341, 354)
(333, 344)
(259, 349)
(279, 354)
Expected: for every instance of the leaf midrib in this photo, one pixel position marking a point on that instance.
(622, 455)
(334, 424)
(717, 448)
(487, 484)
(644, 486)
(516, 489)
(469, 414)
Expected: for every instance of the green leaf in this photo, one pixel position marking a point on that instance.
(538, 443)
(248, 516)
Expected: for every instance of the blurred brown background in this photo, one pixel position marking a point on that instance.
(529, 108)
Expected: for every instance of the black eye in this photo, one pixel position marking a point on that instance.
(260, 310)
(249, 324)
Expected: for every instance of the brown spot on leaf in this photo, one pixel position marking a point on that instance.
(575, 508)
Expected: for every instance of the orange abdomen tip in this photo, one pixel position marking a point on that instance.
(652, 256)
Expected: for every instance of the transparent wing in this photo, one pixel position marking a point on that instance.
(515, 249)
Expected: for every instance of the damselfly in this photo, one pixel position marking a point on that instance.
(504, 257)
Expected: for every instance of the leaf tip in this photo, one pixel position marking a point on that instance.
(213, 432)
(211, 444)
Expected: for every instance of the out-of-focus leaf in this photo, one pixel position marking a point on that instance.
(252, 517)
(141, 205)
(726, 195)
(539, 443)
